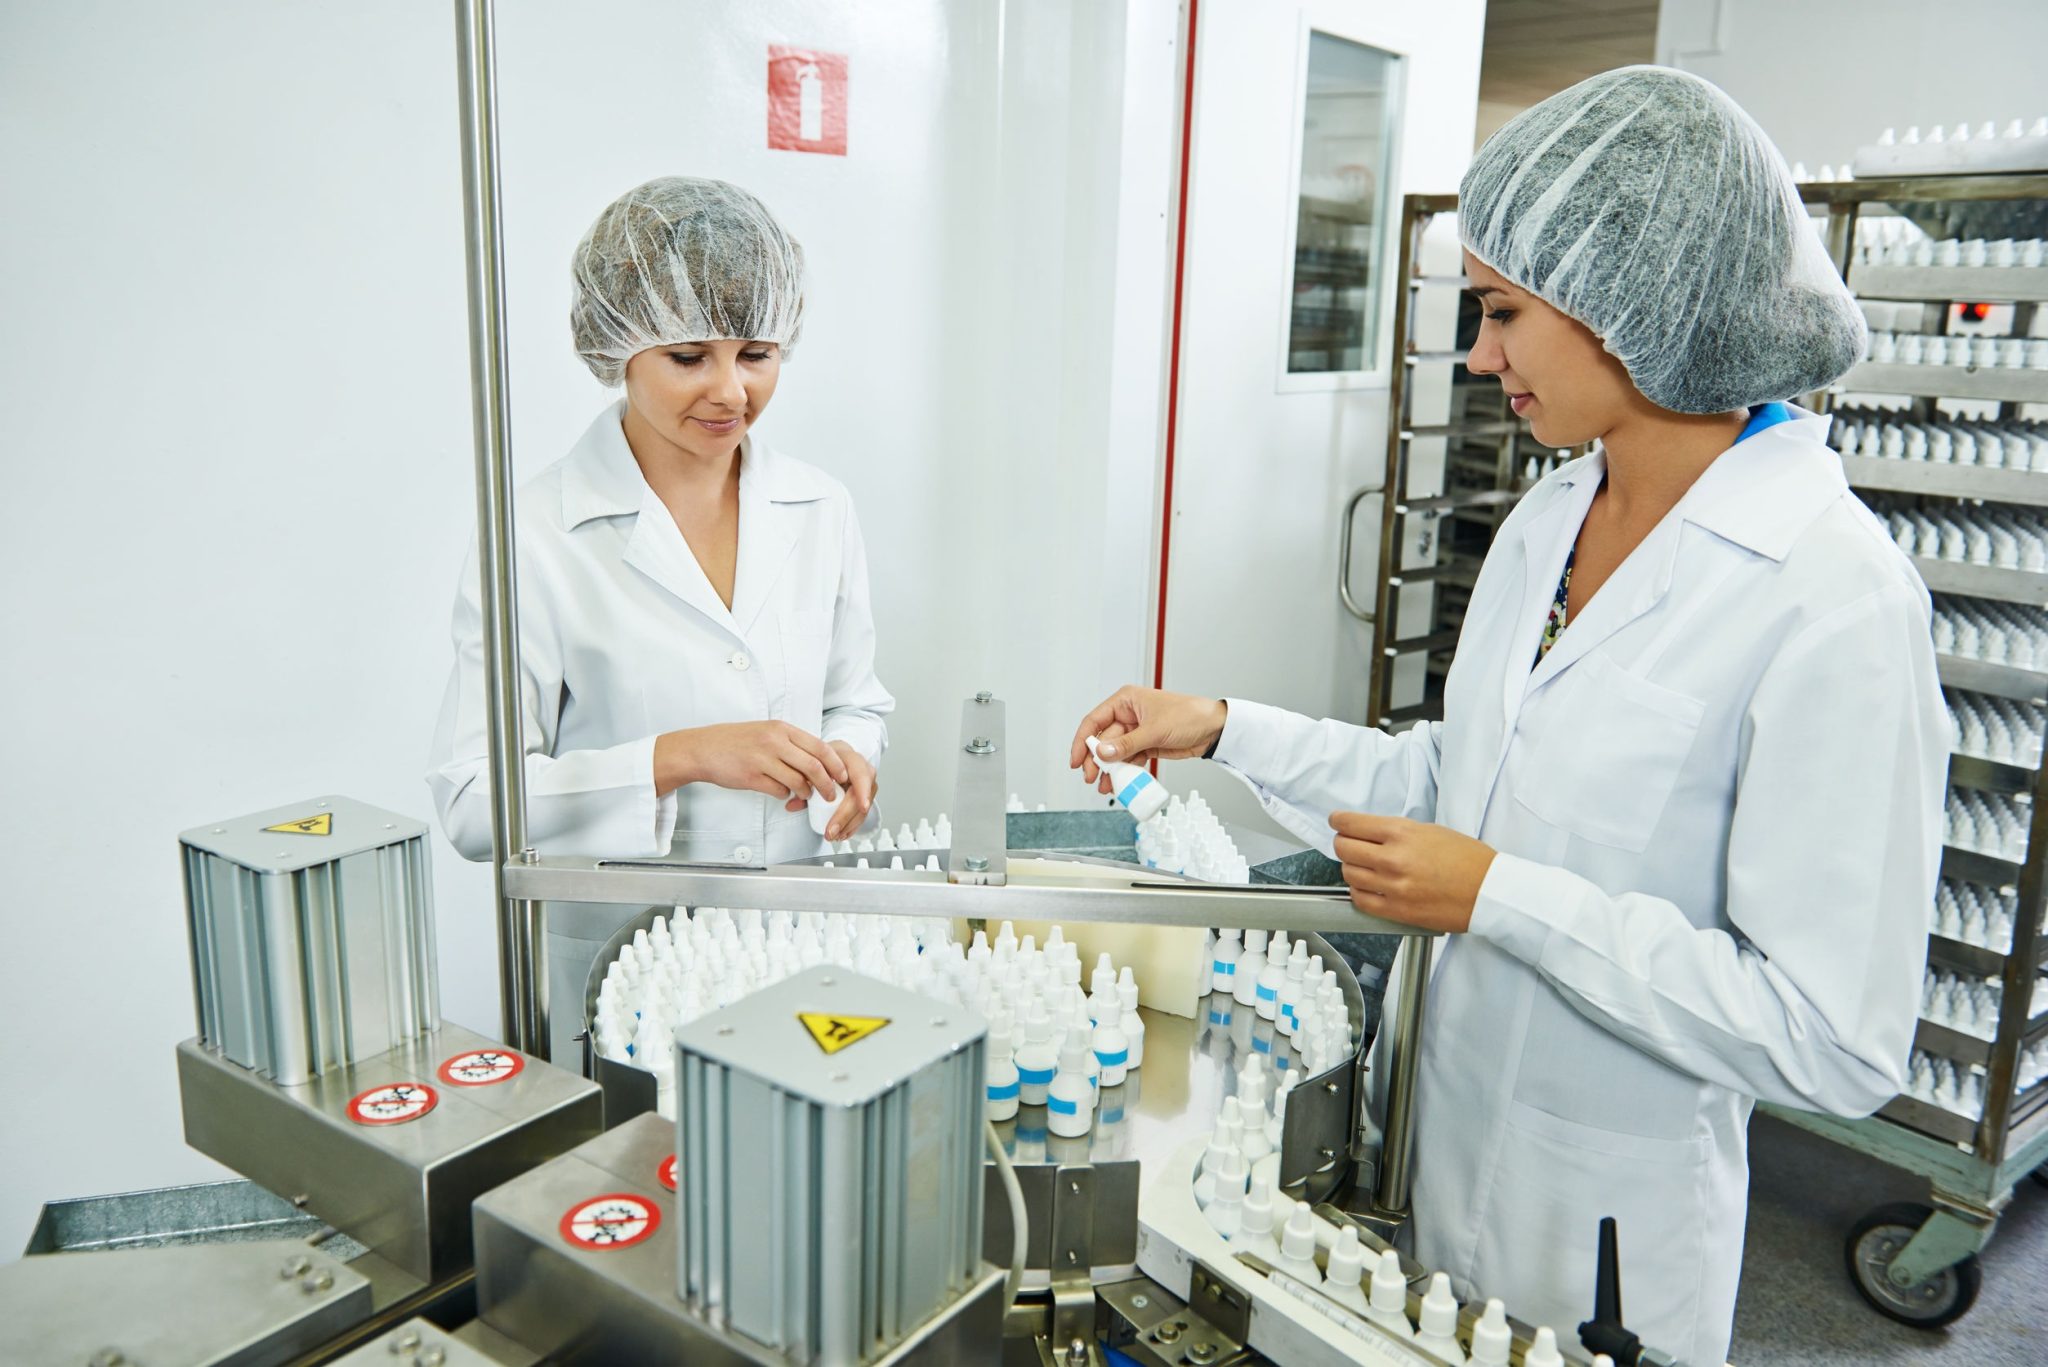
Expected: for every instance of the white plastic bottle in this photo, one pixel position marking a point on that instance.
(1543, 1350)
(1298, 1248)
(1244, 990)
(1070, 1101)
(1223, 962)
(1255, 1233)
(1038, 1058)
(1438, 1332)
(1225, 1212)
(1388, 1296)
(1132, 1024)
(1223, 1141)
(1112, 1050)
(1003, 1085)
(1288, 1004)
(1136, 791)
(1347, 1272)
(1491, 1337)
(1272, 976)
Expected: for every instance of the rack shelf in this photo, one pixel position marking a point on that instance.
(1946, 382)
(1962, 957)
(1978, 284)
(2004, 681)
(1951, 481)
(1973, 867)
(1951, 1043)
(1984, 581)
(1989, 775)
(1930, 1119)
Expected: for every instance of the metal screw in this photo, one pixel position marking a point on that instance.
(1140, 1301)
(1072, 1257)
(294, 1267)
(1074, 1187)
(1170, 1332)
(529, 855)
(984, 697)
(976, 864)
(433, 1357)
(1330, 1087)
(406, 1342)
(1077, 1352)
(323, 1280)
(981, 745)
(1201, 1353)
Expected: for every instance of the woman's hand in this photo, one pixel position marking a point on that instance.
(861, 787)
(1413, 872)
(1138, 725)
(785, 762)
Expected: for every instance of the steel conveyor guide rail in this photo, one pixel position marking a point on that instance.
(1943, 430)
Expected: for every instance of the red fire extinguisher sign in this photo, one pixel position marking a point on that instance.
(807, 100)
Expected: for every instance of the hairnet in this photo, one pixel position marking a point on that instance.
(683, 260)
(1648, 206)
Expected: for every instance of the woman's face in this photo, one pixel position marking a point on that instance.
(702, 396)
(1556, 373)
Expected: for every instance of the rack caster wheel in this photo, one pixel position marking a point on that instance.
(1876, 1239)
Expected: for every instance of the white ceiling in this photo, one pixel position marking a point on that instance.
(1535, 48)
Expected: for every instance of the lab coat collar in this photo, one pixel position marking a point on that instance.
(1763, 492)
(602, 479)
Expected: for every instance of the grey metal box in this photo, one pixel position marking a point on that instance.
(830, 1195)
(312, 932)
(401, 1187)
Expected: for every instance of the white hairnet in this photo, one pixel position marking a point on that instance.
(683, 260)
(1648, 206)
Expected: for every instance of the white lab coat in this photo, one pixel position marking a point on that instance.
(622, 638)
(1717, 804)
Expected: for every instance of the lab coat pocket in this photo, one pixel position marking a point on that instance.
(806, 654)
(1610, 753)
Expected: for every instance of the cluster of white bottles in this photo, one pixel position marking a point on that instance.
(1016, 804)
(1988, 823)
(1996, 633)
(1289, 986)
(711, 957)
(1985, 535)
(905, 840)
(1976, 914)
(1050, 1043)
(1996, 728)
(1992, 145)
(2033, 1066)
(1901, 242)
(1962, 352)
(1826, 173)
(1963, 1002)
(1943, 1082)
(2008, 444)
(1186, 837)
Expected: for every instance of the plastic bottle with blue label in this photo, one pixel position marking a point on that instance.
(1004, 1088)
(1037, 1058)
(1131, 1023)
(1112, 1050)
(1272, 977)
(1287, 1007)
(1070, 1101)
(1137, 792)
(1223, 962)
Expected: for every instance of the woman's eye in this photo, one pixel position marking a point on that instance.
(756, 357)
(681, 359)
(1501, 315)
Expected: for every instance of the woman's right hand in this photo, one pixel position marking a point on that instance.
(1137, 725)
(785, 762)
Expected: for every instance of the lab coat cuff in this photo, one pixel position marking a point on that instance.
(1522, 904)
(865, 732)
(1251, 730)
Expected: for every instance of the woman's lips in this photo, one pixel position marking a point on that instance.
(1520, 403)
(719, 428)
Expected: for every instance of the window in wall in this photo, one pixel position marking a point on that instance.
(1347, 141)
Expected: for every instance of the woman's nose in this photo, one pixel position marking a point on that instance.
(727, 388)
(1486, 357)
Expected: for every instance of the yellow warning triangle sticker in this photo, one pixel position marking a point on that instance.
(834, 1033)
(323, 824)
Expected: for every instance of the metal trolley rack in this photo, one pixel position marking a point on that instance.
(1916, 1263)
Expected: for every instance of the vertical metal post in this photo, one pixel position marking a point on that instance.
(522, 966)
(1396, 1149)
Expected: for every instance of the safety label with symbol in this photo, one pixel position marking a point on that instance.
(481, 1067)
(320, 823)
(834, 1033)
(616, 1221)
(392, 1104)
(667, 1172)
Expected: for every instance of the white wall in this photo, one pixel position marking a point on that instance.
(1825, 77)
(237, 425)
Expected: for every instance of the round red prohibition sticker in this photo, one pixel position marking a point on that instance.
(616, 1221)
(392, 1104)
(667, 1172)
(481, 1068)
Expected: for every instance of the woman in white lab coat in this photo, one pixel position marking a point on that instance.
(1681, 821)
(696, 646)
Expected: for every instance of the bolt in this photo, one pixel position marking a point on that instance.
(407, 1341)
(984, 698)
(976, 864)
(1140, 1301)
(981, 745)
(294, 1267)
(1072, 1257)
(323, 1280)
(1201, 1353)
(1074, 1187)
(1077, 1352)
(529, 855)
(1170, 1332)
(1330, 1087)
(433, 1357)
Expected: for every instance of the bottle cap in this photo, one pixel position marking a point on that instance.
(1389, 1287)
(1258, 1207)
(1347, 1259)
(1491, 1337)
(1299, 1240)
(1543, 1351)
(1440, 1308)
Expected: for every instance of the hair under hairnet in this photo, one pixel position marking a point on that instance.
(683, 260)
(1648, 206)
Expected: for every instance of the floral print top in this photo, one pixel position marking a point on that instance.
(1553, 627)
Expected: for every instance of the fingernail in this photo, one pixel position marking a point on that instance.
(1108, 752)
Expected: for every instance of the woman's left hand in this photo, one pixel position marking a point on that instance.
(1414, 872)
(861, 787)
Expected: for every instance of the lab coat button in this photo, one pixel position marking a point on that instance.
(743, 853)
(739, 660)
